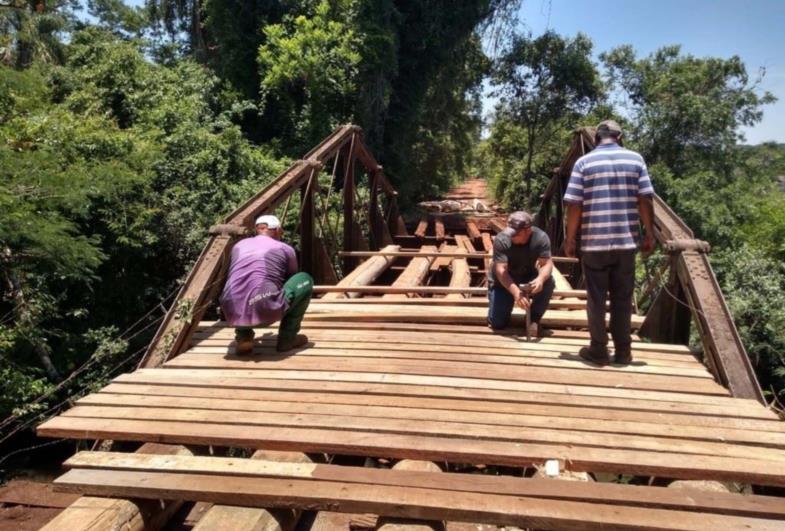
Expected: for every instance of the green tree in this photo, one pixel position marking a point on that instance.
(686, 111)
(546, 86)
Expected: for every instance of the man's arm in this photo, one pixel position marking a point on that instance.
(646, 211)
(544, 271)
(502, 275)
(574, 213)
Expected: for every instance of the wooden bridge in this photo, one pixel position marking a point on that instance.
(405, 405)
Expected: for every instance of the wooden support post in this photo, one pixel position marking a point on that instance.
(438, 227)
(364, 274)
(106, 514)
(414, 274)
(233, 518)
(422, 227)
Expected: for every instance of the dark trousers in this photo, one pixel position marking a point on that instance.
(611, 273)
(297, 291)
(500, 303)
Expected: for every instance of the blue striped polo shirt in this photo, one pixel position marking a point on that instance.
(607, 183)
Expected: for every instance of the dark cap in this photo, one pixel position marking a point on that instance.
(519, 220)
(611, 126)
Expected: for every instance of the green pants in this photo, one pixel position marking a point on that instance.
(297, 291)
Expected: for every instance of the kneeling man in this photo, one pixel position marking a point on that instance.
(263, 286)
(521, 255)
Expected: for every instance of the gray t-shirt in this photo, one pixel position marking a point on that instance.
(522, 259)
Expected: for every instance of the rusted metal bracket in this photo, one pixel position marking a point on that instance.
(686, 245)
(228, 229)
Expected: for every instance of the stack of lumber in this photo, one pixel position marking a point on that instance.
(539, 503)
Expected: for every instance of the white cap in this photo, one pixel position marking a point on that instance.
(269, 220)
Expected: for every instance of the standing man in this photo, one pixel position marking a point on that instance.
(263, 286)
(608, 194)
(521, 254)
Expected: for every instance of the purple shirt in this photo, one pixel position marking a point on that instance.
(253, 294)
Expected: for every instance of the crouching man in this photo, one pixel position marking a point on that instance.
(263, 286)
(521, 255)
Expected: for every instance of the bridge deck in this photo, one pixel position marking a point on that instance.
(440, 392)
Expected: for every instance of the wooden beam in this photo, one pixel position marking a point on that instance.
(473, 231)
(461, 278)
(443, 254)
(429, 290)
(413, 275)
(422, 227)
(414, 474)
(432, 502)
(438, 227)
(363, 275)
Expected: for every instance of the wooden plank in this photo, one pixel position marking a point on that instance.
(461, 369)
(364, 352)
(336, 312)
(413, 275)
(479, 351)
(527, 400)
(451, 449)
(396, 501)
(473, 231)
(201, 388)
(34, 494)
(659, 429)
(363, 274)
(422, 227)
(459, 388)
(452, 334)
(420, 427)
(427, 477)
(97, 514)
(465, 243)
(450, 381)
(429, 290)
(457, 299)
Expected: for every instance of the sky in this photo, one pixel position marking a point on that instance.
(752, 29)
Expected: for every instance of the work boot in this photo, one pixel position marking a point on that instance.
(291, 343)
(598, 356)
(244, 347)
(622, 357)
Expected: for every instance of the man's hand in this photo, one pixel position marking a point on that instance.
(523, 302)
(647, 244)
(536, 286)
(569, 248)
